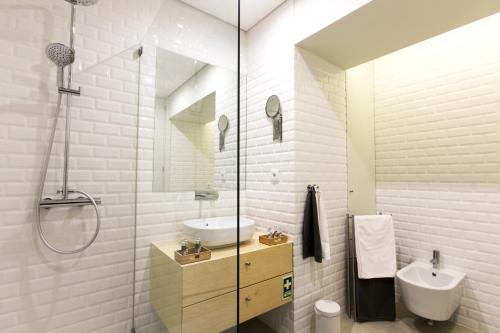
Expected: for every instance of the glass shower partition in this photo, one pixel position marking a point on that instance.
(102, 162)
(186, 223)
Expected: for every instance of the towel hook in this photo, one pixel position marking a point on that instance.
(313, 187)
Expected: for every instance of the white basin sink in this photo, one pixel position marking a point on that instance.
(431, 293)
(218, 231)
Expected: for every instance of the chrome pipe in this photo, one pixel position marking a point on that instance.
(60, 76)
(72, 27)
(41, 202)
(67, 140)
(67, 137)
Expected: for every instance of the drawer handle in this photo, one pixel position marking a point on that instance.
(248, 264)
(248, 299)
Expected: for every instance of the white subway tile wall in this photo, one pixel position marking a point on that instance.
(41, 292)
(321, 158)
(271, 72)
(437, 158)
(313, 150)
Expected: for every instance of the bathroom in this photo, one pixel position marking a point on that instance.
(387, 106)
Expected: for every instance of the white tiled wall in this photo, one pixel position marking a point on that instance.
(437, 158)
(40, 291)
(320, 104)
(312, 93)
(271, 71)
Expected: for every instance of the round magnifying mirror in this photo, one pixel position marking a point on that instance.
(273, 106)
(223, 123)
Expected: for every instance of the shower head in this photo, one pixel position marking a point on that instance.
(60, 54)
(82, 2)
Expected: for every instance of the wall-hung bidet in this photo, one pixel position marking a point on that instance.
(431, 293)
(63, 56)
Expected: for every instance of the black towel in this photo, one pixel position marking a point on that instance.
(311, 241)
(375, 299)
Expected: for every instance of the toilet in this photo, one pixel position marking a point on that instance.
(327, 316)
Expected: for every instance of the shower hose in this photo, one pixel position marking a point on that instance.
(43, 177)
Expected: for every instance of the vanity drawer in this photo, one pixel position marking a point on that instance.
(214, 315)
(265, 264)
(208, 279)
(262, 297)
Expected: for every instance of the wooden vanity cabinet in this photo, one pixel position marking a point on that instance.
(201, 297)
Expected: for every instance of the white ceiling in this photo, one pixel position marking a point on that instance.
(252, 11)
(385, 26)
(172, 70)
(200, 112)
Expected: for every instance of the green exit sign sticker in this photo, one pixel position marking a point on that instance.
(287, 287)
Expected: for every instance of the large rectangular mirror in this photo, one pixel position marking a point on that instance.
(195, 125)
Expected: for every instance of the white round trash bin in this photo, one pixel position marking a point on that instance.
(327, 316)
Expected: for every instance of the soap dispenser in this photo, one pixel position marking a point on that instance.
(197, 246)
(184, 247)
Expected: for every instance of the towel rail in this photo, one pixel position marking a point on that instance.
(351, 269)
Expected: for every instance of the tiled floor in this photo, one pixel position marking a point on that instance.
(255, 326)
(407, 323)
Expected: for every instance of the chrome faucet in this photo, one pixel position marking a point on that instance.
(435, 259)
(206, 195)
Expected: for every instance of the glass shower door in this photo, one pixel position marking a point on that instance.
(186, 226)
